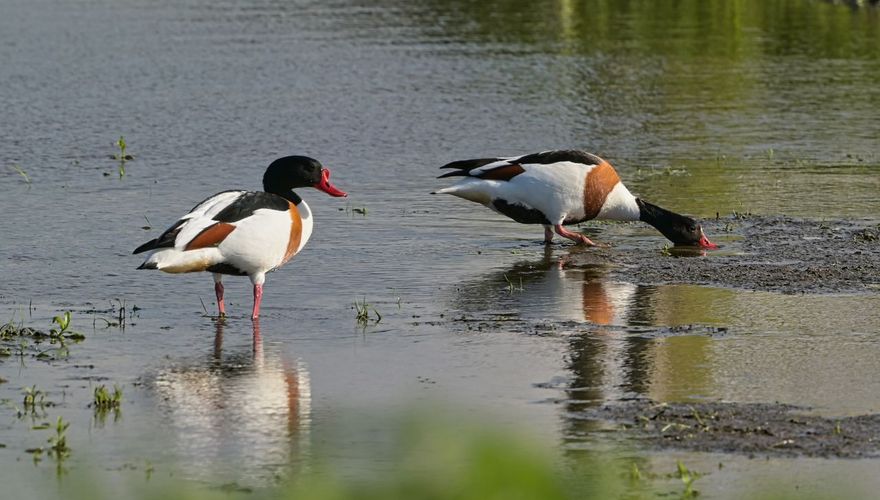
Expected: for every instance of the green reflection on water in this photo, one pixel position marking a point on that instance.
(751, 100)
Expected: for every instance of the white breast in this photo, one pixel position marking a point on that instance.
(305, 214)
(259, 242)
(620, 204)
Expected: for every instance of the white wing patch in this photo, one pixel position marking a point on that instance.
(202, 216)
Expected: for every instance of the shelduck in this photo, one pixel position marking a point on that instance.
(243, 233)
(556, 188)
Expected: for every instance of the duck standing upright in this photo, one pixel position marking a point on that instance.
(556, 188)
(244, 233)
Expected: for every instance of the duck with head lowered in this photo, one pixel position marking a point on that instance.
(244, 233)
(557, 188)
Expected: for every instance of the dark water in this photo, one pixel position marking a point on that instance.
(766, 107)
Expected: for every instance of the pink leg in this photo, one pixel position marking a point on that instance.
(258, 297)
(258, 342)
(548, 234)
(575, 237)
(218, 289)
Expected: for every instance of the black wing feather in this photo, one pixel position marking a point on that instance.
(572, 155)
(165, 240)
(464, 167)
(469, 165)
(456, 173)
(248, 203)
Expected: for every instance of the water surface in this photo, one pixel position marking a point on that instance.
(763, 107)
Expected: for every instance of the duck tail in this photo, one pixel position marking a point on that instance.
(464, 167)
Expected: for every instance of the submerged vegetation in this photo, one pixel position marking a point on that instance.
(122, 156)
(58, 442)
(15, 338)
(650, 83)
(362, 313)
(514, 288)
(105, 400)
(433, 460)
(350, 210)
(34, 403)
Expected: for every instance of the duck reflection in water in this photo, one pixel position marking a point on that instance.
(237, 414)
(616, 346)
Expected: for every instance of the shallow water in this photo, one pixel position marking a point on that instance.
(763, 107)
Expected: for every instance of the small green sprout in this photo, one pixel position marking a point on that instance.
(105, 400)
(63, 321)
(688, 478)
(58, 443)
(63, 332)
(634, 473)
(33, 398)
(22, 173)
(122, 156)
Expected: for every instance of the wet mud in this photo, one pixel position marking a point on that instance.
(779, 254)
(756, 429)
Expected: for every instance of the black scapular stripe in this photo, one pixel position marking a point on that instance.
(571, 155)
(250, 202)
(520, 213)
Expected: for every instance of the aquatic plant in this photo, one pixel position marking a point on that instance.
(20, 340)
(121, 314)
(33, 399)
(363, 312)
(63, 321)
(513, 288)
(122, 156)
(349, 210)
(105, 400)
(688, 478)
(57, 449)
(22, 173)
(63, 331)
(58, 442)
(635, 473)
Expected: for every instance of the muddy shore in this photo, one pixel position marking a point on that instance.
(780, 254)
(755, 429)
